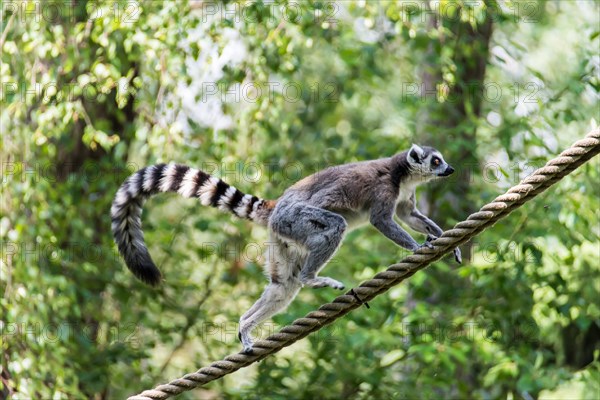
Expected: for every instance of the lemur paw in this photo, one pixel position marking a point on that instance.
(246, 342)
(458, 255)
(426, 244)
(323, 281)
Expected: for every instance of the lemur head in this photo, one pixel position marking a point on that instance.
(428, 162)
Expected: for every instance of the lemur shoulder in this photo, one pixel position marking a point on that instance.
(313, 214)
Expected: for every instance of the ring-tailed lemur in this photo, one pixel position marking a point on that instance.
(306, 224)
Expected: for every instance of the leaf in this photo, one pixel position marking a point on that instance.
(392, 357)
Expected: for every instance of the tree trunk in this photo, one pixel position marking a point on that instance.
(450, 126)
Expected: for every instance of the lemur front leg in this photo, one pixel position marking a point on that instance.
(422, 224)
(382, 219)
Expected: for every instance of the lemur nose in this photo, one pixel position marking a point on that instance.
(449, 170)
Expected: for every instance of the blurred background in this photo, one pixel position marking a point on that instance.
(263, 93)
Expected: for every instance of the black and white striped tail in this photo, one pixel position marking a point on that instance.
(126, 208)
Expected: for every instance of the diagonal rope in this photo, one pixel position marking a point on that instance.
(557, 168)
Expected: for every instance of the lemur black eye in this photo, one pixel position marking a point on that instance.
(435, 161)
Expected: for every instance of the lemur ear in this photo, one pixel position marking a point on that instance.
(416, 153)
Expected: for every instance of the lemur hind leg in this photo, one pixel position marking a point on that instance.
(275, 298)
(319, 231)
(282, 263)
(303, 239)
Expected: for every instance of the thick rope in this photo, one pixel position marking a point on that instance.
(557, 168)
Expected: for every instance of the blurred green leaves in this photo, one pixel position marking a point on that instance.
(107, 87)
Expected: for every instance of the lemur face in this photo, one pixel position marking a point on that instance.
(428, 162)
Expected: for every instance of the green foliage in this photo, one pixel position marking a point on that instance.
(264, 94)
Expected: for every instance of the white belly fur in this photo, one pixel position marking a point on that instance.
(355, 219)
